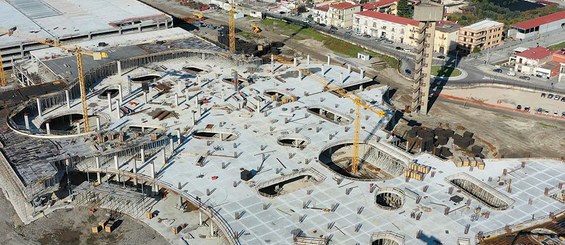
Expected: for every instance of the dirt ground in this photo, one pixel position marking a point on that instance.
(71, 227)
(512, 134)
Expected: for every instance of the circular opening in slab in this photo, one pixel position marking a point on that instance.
(215, 135)
(63, 123)
(373, 163)
(297, 142)
(390, 199)
(384, 241)
(146, 78)
(194, 70)
(112, 91)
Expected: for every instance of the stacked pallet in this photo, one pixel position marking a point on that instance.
(469, 161)
(416, 171)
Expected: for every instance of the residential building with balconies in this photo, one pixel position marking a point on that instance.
(480, 36)
(535, 61)
(341, 14)
(445, 38)
(320, 14)
(391, 27)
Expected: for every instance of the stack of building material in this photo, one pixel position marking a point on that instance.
(469, 161)
(416, 171)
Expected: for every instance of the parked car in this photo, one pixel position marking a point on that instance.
(511, 73)
(562, 99)
(367, 36)
(563, 114)
(550, 96)
(526, 108)
(525, 77)
(388, 41)
(398, 48)
(543, 95)
(539, 110)
(498, 70)
(441, 57)
(519, 107)
(557, 97)
(408, 71)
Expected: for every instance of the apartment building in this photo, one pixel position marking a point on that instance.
(445, 38)
(320, 14)
(341, 14)
(391, 27)
(383, 6)
(480, 36)
(535, 61)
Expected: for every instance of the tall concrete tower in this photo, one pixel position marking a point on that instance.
(428, 13)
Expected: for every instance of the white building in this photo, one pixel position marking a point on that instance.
(535, 27)
(320, 14)
(531, 62)
(383, 25)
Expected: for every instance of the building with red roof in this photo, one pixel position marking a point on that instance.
(538, 26)
(320, 14)
(383, 6)
(536, 61)
(394, 28)
(341, 14)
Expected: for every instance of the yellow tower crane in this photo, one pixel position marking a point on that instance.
(343, 93)
(78, 52)
(232, 26)
(3, 79)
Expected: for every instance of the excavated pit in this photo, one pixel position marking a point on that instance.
(194, 70)
(215, 135)
(374, 164)
(113, 93)
(481, 191)
(297, 142)
(290, 183)
(390, 198)
(330, 115)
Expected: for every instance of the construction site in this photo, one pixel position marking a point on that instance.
(205, 146)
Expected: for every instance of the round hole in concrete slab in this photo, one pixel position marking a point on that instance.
(63, 123)
(293, 141)
(389, 198)
(373, 163)
(215, 135)
(146, 78)
(194, 70)
(384, 241)
(113, 93)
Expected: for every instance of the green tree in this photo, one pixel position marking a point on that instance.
(403, 9)
(476, 49)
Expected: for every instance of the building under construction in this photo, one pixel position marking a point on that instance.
(290, 151)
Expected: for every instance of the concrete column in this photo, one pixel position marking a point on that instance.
(176, 99)
(142, 153)
(348, 69)
(362, 73)
(172, 145)
(308, 59)
(178, 136)
(119, 63)
(341, 77)
(97, 159)
(153, 170)
(68, 97)
(329, 59)
(200, 217)
(116, 163)
(193, 118)
(97, 124)
(38, 106)
(295, 62)
(211, 228)
(121, 94)
(26, 119)
(272, 63)
(78, 127)
(135, 171)
(48, 128)
(203, 56)
(109, 102)
(118, 111)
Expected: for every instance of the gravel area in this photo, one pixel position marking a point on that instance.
(72, 227)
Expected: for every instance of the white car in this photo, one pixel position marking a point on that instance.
(511, 73)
